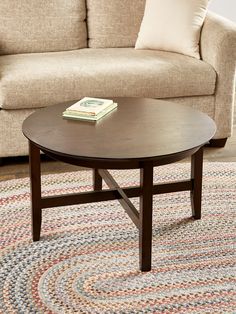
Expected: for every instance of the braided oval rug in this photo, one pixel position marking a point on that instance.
(87, 260)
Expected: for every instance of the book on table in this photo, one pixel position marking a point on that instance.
(90, 109)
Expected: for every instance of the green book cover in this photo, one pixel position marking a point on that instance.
(89, 106)
(68, 115)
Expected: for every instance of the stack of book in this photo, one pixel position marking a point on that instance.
(89, 109)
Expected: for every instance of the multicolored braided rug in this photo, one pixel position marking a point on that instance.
(87, 258)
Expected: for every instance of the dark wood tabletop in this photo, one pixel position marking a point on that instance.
(137, 129)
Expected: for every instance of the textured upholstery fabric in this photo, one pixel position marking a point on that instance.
(42, 25)
(218, 48)
(13, 143)
(172, 26)
(205, 104)
(12, 140)
(37, 80)
(114, 23)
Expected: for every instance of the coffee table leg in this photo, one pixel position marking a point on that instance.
(145, 216)
(97, 180)
(196, 176)
(35, 181)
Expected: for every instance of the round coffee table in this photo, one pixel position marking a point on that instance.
(139, 134)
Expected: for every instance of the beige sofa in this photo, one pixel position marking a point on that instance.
(56, 51)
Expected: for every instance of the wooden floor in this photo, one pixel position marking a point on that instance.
(13, 168)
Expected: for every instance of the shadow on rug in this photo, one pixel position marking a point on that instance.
(87, 258)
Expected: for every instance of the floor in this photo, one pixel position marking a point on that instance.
(13, 168)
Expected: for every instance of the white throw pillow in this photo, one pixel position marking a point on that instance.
(172, 25)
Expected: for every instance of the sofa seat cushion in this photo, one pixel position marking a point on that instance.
(42, 79)
(42, 25)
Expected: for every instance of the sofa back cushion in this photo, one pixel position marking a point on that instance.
(114, 23)
(42, 25)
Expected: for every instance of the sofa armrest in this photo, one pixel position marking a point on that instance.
(218, 48)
